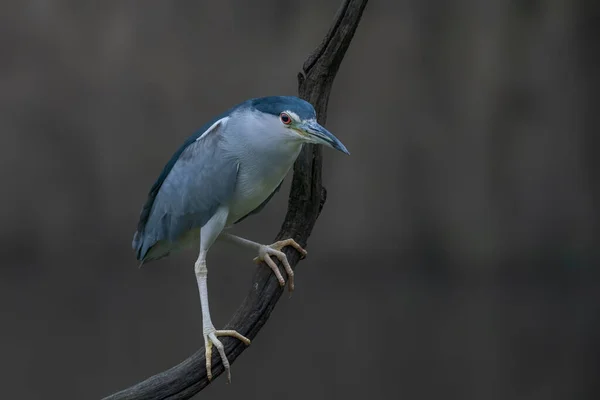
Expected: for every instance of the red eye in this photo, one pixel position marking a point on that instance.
(285, 118)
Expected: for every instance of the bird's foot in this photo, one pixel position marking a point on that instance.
(211, 338)
(266, 251)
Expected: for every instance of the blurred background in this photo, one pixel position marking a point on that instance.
(457, 252)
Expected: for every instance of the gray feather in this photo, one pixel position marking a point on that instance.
(202, 179)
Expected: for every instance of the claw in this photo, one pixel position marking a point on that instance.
(265, 253)
(210, 339)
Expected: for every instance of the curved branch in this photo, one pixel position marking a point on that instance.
(306, 200)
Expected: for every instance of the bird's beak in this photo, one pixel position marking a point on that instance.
(320, 135)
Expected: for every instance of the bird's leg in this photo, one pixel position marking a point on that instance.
(208, 234)
(266, 251)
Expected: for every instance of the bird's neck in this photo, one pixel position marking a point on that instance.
(270, 150)
(263, 143)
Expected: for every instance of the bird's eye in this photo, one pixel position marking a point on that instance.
(285, 118)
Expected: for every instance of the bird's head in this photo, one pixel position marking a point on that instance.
(297, 120)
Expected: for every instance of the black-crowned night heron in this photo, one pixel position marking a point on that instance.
(226, 171)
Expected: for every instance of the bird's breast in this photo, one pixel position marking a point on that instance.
(258, 179)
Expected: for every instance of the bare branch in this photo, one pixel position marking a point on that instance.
(307, 197)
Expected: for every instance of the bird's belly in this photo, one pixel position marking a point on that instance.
(252, 189)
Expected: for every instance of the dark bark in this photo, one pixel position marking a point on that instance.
(307, 197)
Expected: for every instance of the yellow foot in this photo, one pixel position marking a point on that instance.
(210, 339)
(265, 253)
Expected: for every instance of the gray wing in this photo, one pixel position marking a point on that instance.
(201, 180)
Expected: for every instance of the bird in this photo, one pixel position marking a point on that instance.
(226, 171)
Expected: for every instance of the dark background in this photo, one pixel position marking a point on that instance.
(456, 256)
